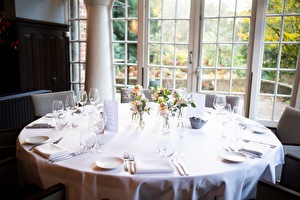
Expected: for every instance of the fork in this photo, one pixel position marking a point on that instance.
(131, 164)
(55, 142)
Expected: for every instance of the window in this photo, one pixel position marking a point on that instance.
(247, 48)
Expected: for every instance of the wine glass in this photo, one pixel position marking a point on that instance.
(97, 123)
(82, 99)
(57, 107)
(94, 96)
(180, 132)
(219, 102)
(87, 140)
(71, 107)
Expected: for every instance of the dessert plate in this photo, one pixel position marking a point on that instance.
(234, 156)
(36, 139)
(109, 162)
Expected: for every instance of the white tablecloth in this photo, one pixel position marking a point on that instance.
(209, 176)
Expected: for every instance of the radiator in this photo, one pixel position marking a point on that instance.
(16, 110)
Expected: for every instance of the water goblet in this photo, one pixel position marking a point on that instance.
(97, 123)
(219, 102)
(94, 96)
(180, 132)
(71, 107)
(82, 99)
(87, 140)
(57, 107)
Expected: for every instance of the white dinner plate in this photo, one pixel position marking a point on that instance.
(109, 162)
(50, 115)
(258, 129)
(36, 139)
(234, 156)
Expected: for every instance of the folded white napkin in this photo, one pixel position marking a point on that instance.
(50, 150)
(153, 166)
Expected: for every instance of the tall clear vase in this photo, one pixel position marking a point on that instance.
(141, 122)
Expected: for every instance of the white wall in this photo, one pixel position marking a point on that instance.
(43, 10)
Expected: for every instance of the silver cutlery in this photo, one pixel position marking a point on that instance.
(245, 153)
(175, 163)
(271, 145)
(55, 142)
(181, 163)
(67, 156)
(131, 164)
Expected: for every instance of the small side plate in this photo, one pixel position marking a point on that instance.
(234, 156)
(109, 162)
(36, 139)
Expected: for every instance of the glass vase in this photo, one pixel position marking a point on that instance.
(140, 120)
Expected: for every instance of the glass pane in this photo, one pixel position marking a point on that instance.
(74, 56)
(265, 106)
(155, 8)
(210, 32)
(82, 10)
(120, 74)
(292, 7)
(167, 77)
(82, 51)
(118, 10)
(226, 30)
(168, 55)
(154, 54)
(169, 9)
(73, 9)
(182, 27)
(209, 55)
(244, 8)
(154, 73)
(224, 59)
(208, 77)
(168, 31)
(132, 53)
(155, 30)
(183, 9)
(74, 30)
(118, 30)
(132, 8)
(273, 27)
(181, 78)
(242, 30)
(132, 30)
(119, 52)
(291, 29)
(289, 54)
(82, 73)
(275, 7)
(227, 8)
(238, 81)
(182, 55)
(285, 82)
(211, 8)
(82, 29)
(267, 85)
(223, 80)
(240, 55)
(270, 56)
(75, 72)
(132, 71)
(281, 103)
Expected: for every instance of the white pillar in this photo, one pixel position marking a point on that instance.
(99, 70)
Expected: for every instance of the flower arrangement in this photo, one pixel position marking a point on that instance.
(170, 101)
(138, 103)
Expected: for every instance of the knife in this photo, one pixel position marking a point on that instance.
(180, 170)
(67, 156)
(181, 163)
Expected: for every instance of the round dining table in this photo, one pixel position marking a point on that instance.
(217, 169)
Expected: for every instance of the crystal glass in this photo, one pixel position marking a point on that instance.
(97, 123)
(180, 132)
(57, 107)
(219, 102)
(71, 107)
(94, 96)
(87, 140)
(82, 99)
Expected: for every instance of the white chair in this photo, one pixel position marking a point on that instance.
(42, 103)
